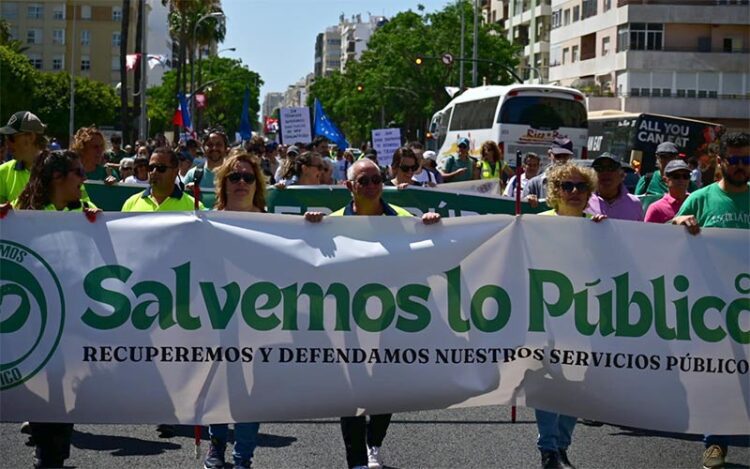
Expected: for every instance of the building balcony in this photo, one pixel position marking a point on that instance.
(703, 108)
(536, 48)
(583, 68)
(696, 12)
(682, 60)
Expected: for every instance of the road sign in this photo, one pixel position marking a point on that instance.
(446, 58)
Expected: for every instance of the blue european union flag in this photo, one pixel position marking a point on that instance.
(246, 132)
(323, 126)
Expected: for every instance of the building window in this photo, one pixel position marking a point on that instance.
(588, 8)
(116, 13)
(9, 10)
(35, 61)
(115, 64)
(605, 45)
(58, 36)
(34, 36)
(574, 54)
(85, 37)
(35, 12)
(640, 36)
(116, 39)
(606, 5)
(58, 13)
(666, 92)
(565, 55)
(85, 12)
(556, 19)
(730, 44)
(57, 63)
(85, 63)
(566, 17)
(576, 13)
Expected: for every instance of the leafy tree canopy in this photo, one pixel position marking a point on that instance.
(223, 82)
(386, 86)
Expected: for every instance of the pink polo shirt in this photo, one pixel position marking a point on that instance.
(663, 210)
(625, 207)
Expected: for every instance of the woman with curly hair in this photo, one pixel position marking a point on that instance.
(568, 190)
(492, 164)
(54, 185)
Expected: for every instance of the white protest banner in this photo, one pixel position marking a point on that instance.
(488, 187)
(295, 124)
(386, 142)
(220, 317)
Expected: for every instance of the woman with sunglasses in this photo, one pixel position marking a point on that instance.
(568, 190)
(403, 166)
(54, 185)
(307, 171)
(240, 187)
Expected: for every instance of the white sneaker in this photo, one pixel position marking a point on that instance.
(373, 458)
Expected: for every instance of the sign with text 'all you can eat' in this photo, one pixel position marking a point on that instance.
(386, 142)
(295, 124)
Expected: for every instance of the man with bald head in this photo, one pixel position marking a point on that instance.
(363, 439)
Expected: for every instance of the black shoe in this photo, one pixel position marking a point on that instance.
(591, 423)
(165, 430)
(215, 457)
(564, 459)
(551, 460)
(44, 458)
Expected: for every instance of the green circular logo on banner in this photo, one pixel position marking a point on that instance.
(32, 313)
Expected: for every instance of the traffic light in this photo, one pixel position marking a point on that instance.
(360, 87)
(419, 60)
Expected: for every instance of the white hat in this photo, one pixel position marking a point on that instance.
(430, 155)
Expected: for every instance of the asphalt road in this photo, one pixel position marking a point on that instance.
(482, 437)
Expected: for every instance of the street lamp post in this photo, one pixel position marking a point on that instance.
(215, 14)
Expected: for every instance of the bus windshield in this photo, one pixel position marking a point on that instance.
(543, 113)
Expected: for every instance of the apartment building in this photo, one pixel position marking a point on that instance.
(271, 102)
(683, 58)
(81, 37)
(328, 51)
(355, 34)
(527, 23)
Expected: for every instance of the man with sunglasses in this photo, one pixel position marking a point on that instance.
(723, 204)
(611, 197)
(162, 195)
(677, 177)
(363, 439)
(653, 183)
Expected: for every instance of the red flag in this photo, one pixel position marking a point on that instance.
(177, 118)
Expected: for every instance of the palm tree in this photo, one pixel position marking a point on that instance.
(124, 115)
(183, 16)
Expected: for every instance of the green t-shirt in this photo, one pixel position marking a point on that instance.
(115, 157)
(13, 178)
(455, 162)
(714, 208)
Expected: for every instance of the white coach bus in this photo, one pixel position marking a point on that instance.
(517, 117)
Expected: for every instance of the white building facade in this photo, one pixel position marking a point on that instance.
(688, 59)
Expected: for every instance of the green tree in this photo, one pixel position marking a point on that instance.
(47, 95)
(224, 86)
(396, 90)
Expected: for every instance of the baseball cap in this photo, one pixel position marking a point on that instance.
(667, 147)
(463, 141)
(23, 121)
(599, 160)
(676, 165)
(430, 155)
(562, 146)
(292, 150)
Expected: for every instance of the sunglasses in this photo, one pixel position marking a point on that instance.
(235, 177)
(162, 168)
(677, 176)
(407, 169)
(568, 186)
(366, 180)
(734, 160)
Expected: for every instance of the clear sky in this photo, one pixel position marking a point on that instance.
(276, 38)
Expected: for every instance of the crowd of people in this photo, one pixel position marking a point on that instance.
(37, 178)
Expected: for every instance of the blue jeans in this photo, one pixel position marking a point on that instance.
(555, 430)
(245, 438)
